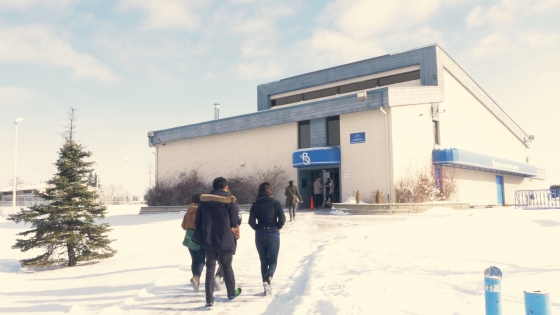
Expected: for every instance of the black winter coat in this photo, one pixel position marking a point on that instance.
(267, 214)
(217, 213)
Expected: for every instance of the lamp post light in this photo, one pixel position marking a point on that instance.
(15, 167)
(125, 181)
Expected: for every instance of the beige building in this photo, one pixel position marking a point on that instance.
(366, 125)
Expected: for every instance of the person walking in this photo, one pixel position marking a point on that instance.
(330, 190)
(292, 199)
(196, 251)
(216, 219)
(318, 192)
(267, 218)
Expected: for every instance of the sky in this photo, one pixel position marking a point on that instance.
(132, 66)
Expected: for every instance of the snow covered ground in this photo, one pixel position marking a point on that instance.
(428, 263)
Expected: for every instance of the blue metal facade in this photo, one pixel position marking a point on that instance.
(471, 160)
(314, 111)
(425, 57)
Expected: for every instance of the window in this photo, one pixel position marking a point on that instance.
(347, 88)
(436, 131)
(304, 134)
(333, 130)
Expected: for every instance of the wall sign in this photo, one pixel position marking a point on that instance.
(359, 137)
(316, 157)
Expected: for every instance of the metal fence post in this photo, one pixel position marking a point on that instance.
(537, 302)
(492, 290)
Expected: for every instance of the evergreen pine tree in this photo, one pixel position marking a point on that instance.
(67, 223)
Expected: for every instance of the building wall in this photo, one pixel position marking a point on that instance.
(466, 124)
(365, 162)
(412, 139)
(222, 154)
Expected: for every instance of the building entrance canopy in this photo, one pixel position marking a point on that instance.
(321, 156)
(486, 163)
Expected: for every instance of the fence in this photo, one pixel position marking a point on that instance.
(537, 199)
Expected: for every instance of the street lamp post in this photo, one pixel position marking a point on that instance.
(125, 181)
(15, 168)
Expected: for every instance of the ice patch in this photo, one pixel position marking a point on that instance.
(338, 212)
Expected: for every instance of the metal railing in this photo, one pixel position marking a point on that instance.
(537, 199)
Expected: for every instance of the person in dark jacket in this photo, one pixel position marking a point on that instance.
(267, 218)
(292, 199)
(217, 214)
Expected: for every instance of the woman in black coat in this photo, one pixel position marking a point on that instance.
(267, 218)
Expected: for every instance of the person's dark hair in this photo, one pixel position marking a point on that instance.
(219, 183)
(265, 189)
(291, 183)
(196, 198)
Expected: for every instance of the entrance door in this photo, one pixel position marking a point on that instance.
(307, 177)
(500, 187)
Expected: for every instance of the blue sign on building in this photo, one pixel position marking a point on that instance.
(316, 157)
(359, 137)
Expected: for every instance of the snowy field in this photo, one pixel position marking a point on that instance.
(428, 263)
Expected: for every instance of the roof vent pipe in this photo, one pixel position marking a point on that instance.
(216, 111)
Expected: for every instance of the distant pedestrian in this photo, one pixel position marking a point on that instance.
(217, 216)
(196, 251)
(267, 218)
(292, 199)
(318, 192)
(330, 190)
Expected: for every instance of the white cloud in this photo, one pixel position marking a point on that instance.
(328, 48)
(258, 70)
(508, 11)
(39, 45)
(364, 18)
(22, 5)
(166, 14)
(13, 96)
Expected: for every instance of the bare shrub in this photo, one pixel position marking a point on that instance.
(423, 185)
(244, 185)
(177, 190)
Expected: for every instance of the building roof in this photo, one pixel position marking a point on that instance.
(432, 60)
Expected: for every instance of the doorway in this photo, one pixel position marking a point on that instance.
(306, 178)
(500, 188)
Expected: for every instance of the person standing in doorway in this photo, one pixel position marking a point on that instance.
(318, 192)
(292, 199)
(217, 216)
(196, 251)
(267, 218)
(330, 190)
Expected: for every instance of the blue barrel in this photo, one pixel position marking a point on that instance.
(493, 290)
(537, 302)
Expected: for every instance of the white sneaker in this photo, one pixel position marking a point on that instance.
(217, 283)
(267, 288)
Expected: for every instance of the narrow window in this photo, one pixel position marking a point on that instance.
(333, 130)
(304, 134)
(436, 131)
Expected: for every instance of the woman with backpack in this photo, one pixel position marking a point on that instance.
(197, 252)
(267, 218)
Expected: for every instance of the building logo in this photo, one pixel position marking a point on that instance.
(305, 158)
(504, 165)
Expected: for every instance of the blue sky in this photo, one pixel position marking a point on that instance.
(131, 66)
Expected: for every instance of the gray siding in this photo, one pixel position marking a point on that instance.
(307, 111)
(318, 132)
(425, 57)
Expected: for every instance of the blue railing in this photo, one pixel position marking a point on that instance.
(537, 199)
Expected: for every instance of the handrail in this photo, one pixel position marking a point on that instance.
(537, 199)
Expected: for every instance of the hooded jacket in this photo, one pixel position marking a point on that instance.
(217, 213)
